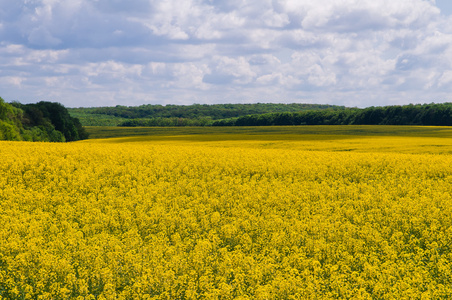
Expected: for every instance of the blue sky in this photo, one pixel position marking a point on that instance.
(445, 6)
(109, 52)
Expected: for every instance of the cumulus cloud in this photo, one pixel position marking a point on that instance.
(348, 52)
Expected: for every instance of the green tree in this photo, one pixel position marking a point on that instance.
(44, 113)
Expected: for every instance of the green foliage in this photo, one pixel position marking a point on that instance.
(182, 115)
(87, 118)
(216, 111)
(265, 114)
(53, 118)
(166, 122)
(427, 114)
(9, 132)
(10, 125)
(44, 121)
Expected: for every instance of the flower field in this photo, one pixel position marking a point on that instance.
(313, 216)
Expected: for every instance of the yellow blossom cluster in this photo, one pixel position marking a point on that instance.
(186, 220)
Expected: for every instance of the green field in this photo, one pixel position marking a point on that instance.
(259, 132)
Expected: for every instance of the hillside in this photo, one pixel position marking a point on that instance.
(182, 115)
(263, 114)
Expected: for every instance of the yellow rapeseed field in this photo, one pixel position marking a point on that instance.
(314, 216)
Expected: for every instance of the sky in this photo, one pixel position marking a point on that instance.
(357, 53)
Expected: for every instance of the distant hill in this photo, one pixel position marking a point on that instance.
(182, 115)
(43, 121)
(264, 114)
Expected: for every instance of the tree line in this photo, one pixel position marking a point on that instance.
(167, 122)
(420, 114)
(42, 121)
(194, 111)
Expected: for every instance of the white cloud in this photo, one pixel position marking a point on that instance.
(445, 79)
(13, 80)
(226, 70)
(352, 52)
(42, 37)
(273, 19)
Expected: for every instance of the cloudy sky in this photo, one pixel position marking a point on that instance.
(131, 52)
